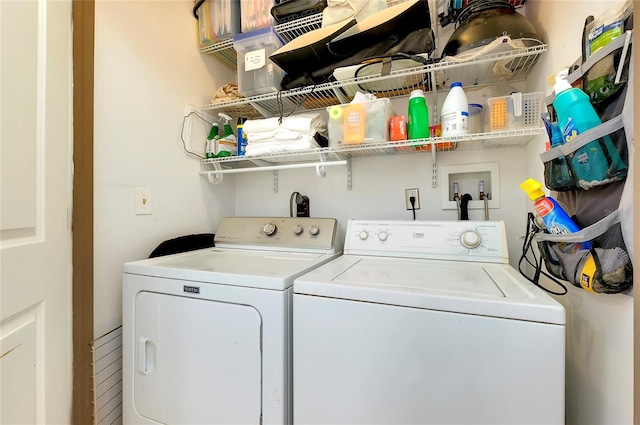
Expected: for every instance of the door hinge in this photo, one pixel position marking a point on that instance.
(260, 419)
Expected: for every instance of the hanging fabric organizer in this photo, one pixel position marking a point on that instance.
(599, 257)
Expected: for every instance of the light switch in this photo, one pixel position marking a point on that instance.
(144, 202)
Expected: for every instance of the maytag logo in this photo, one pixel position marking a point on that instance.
(191, 289)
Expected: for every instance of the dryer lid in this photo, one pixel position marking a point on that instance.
(495, 290)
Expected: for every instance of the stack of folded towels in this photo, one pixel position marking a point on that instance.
(296, 132)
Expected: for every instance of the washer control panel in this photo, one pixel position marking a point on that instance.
(279, 232)
(465, 240)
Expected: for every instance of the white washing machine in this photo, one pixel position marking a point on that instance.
(207, 334)
(426, 323)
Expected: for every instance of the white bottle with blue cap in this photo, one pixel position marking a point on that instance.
(455, 112)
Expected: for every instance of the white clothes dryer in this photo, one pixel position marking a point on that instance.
(207, 333)
(426, 323)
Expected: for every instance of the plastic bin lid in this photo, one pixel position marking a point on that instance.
(260, 32)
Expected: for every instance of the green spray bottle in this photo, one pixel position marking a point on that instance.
(212, 141)
(227, 145)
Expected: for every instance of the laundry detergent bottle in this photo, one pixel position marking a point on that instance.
(418, 123)
(575, 116)
(455, 112)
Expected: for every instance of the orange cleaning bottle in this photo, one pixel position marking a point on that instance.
(354, 124)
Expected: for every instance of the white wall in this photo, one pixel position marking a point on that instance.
(599, 327)
(147, 70)
(378, 190)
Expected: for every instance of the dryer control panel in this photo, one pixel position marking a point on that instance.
(299, 233)
(482, 241)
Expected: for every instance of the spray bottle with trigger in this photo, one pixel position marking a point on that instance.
(212, 142)
(227, 145)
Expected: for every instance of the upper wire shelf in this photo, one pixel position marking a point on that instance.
(511, 64)
(224, 51)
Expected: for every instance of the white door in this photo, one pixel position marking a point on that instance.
(196, 361)
(35, 228)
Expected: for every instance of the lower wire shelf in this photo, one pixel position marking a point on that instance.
(320, 158)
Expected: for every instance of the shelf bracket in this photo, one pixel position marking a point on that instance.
(321, 169)
(275, 181)
(434, 167)
(215, 178)
(349, 179)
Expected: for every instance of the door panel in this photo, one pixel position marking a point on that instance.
(35, 232)
(196, 361)
(20, 119)
(20, 365)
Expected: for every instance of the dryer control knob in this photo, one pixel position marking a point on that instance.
(297, 229)
(383, 236)
(270, 229)
(363, 235)
(470, 239)
(314, 230)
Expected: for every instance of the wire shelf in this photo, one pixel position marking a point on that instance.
(495, 139)
(223, 49)
(511, 64)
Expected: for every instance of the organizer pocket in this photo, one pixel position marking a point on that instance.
(594, 259)
(594, 158)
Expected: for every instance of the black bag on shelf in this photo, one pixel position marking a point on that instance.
(419, 41)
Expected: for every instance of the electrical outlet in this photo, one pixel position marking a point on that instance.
(408, 193)
(144, 202)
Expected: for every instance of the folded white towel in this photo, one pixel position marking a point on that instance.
(280, 134)
(307, 142)
(308, 123)
(259, 126)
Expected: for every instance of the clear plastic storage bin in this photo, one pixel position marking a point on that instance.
(373, 124)
(256, 14)
(218, 19)
(257, 74)
(518, 110)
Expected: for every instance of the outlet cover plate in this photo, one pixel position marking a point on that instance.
(144, 201)
(408, 193)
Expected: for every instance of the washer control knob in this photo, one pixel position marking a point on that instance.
(383, 236)
(470, 239)
(363, 235)
(314, 230)
(270, 229)
(297, 229)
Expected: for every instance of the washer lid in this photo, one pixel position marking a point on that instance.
(495, 290)
(238, 267)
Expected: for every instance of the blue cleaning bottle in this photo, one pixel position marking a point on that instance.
(575, 116)
(560, 175)
(555, 218)
(242, 139)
